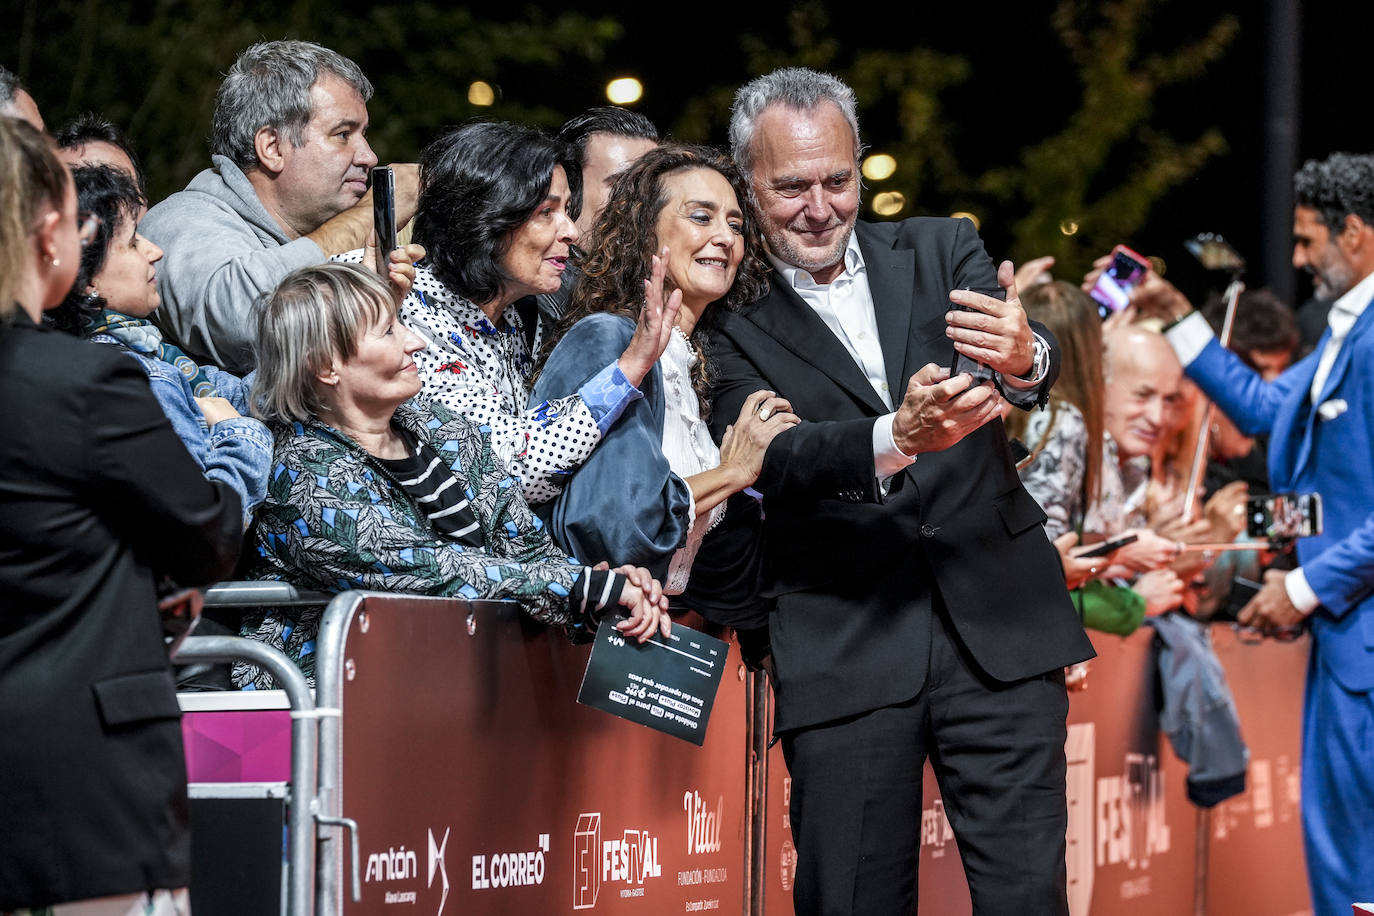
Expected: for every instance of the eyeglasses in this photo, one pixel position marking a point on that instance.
(87, 225)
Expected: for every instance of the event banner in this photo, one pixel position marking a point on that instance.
(480, 784)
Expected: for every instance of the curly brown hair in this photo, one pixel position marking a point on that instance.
(625, 237)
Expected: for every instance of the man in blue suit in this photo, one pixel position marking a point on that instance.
(1320, 414)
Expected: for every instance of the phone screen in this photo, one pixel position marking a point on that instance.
(1113, 288)
(1284, 516)
(384, 214)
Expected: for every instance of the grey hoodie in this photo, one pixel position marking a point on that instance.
(223, 251)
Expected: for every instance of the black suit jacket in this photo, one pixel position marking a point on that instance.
(96, 490)
(855, 573)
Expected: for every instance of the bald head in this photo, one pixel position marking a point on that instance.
(1144, 389)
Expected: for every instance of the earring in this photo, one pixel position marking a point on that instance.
(56, 262)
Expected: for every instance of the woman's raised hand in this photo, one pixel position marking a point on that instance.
(761, 418)
(655, 325)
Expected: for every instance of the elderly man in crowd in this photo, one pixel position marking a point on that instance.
(288, 188)
(16, 102)
(920, 609)
(1320, 415)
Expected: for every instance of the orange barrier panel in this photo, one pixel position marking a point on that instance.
(480, 786)
(1132, 839)
(1256, 864)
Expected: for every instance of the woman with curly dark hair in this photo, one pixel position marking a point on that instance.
(657, 483)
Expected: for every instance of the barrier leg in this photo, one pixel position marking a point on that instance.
(302, 801)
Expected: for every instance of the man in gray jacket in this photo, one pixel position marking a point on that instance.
(287, 188)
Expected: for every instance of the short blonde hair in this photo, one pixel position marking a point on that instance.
(315, 316)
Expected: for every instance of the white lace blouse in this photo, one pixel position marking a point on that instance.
(688, 446)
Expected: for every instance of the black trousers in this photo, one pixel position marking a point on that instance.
(998, 754)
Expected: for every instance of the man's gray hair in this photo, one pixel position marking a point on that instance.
(269, 86)
(794, 87)
(315, 316)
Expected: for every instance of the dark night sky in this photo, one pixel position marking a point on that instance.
(1023, 85)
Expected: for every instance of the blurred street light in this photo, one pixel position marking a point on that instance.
(624, 91)
(480, 93)
(889, 203)
(879, 166)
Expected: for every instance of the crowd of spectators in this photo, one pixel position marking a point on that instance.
(523, 406)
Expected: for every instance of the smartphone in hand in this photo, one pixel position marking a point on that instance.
(384, 215)
(1113, 287)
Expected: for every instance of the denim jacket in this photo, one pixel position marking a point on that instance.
(237, 451)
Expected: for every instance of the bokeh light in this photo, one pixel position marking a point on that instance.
(971, 217)
(889, 203)
(624, 91)
(480, 93)
(879, 166)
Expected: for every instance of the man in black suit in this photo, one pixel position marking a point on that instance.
(920, 609)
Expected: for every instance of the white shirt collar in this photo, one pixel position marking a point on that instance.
(1346, 310)
(797, 278)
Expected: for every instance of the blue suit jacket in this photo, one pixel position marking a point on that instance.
(1333, 456)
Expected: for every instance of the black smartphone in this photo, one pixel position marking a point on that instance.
(1106, 547)
(962, 363)
(384, 215)
(1283, 516)
(1113, 287)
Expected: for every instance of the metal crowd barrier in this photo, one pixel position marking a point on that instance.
(457, 774)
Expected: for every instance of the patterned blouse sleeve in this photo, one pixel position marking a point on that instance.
(1055, 476)
(330, 528)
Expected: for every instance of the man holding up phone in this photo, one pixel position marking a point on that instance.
(288, 188)
(1320, 413)
(920, 609)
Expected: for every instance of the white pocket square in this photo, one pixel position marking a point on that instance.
(1332, 409)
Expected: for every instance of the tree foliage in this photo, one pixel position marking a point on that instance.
(154, 67)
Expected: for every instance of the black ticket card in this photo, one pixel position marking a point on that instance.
(666, 683)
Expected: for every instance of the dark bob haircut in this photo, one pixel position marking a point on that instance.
(478, 184)
(110, 194)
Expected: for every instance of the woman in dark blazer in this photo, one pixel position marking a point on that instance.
(96, 494)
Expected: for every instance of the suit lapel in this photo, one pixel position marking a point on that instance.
(891, 283)
(791, 322)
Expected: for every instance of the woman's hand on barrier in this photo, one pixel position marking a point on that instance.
(1161, 589)
(761, 418)
(643, 597)
(654, 328)
(1150, 551)
(216, 409)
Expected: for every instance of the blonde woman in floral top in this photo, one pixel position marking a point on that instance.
(367, 491)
